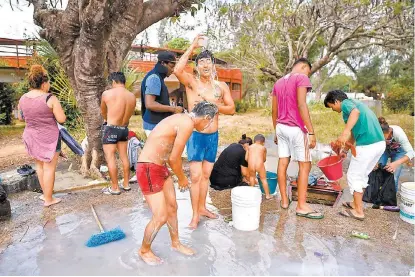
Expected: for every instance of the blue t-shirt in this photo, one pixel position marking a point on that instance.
(367, 129)
(153, 87)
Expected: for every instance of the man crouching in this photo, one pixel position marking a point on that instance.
(165, 145)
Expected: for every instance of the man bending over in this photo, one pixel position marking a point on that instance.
(165, 145)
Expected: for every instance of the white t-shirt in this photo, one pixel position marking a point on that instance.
(400, 136)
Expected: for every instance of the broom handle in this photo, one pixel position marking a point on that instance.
(96, 219)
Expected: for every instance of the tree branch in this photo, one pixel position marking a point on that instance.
(156, 10)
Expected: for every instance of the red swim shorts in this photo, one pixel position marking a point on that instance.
(151, 177)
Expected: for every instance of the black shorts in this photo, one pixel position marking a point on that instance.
(113, 134)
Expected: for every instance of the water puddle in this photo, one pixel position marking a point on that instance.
(283, 245)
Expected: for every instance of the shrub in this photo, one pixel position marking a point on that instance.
(400, 98)
(6, 104)
(241, 106)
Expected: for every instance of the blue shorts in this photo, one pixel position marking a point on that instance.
(202, 147)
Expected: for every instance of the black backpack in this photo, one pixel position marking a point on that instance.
(381, 190)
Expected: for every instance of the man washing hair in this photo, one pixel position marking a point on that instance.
(202, 145)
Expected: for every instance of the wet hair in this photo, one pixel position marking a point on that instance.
(302, 60)
(259, 138)
(383, 124)
(117, 77)
(334, 95)
(204, 108)
(205, 54)
(245, 139)
(37, 76)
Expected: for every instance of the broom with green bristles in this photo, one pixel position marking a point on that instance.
(105, 236)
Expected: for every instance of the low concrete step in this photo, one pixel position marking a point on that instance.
(13, 182)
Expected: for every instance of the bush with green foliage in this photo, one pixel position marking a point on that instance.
(241, 106)
(400, 98)
(6, 104)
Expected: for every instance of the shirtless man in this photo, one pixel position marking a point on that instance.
(256, 157)
(165, 144)
(202, 146)
(117, 106)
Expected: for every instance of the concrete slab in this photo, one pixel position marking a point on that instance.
(283, 245)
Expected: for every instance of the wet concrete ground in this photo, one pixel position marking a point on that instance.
(51, 241)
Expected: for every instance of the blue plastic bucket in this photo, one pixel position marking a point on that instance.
(272, 182)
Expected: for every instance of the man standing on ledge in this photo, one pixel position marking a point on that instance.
(202, 146)
(294, 133)
(155, 101)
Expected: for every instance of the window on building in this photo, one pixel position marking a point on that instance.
(236, 86)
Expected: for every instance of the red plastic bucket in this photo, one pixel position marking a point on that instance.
(332, 167)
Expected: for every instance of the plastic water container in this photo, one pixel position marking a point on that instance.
(272, 182)
(246, 208)
(332, 167)
(407, 205)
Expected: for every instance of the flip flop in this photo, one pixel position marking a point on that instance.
(348, 213)
(289, 203)
(310, 216)
(347, 205)
(266, 199)
(109, 191)
(124, 188)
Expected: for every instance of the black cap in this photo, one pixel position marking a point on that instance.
(166, 56)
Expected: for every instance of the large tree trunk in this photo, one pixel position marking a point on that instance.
(92, 39)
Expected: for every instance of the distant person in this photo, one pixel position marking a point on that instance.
(231, 168)
(41, 110)
(155, 98)
(257, 156)
(202, 146)
(117, 107)
(294, 133)
(165, 146)
(398, 149)
(362, 128)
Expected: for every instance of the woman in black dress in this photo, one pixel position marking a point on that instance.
(231, 168)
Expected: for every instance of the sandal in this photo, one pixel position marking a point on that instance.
(109, 191)
(310, 215)
(348, 205)
(286, 208)
(124, 188)
(25, 170)
(348, 213)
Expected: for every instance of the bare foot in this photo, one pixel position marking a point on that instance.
(54, 201)
(183, 249)
(208, 214)
(149, 258)
(193, 224)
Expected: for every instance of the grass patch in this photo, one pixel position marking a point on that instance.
(405, 121)
(14, 130)
(250, 123)
(327, 124)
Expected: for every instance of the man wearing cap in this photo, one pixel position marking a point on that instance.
(155, 102)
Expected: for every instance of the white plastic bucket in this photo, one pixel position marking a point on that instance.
(246, 208)
(407, 205)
